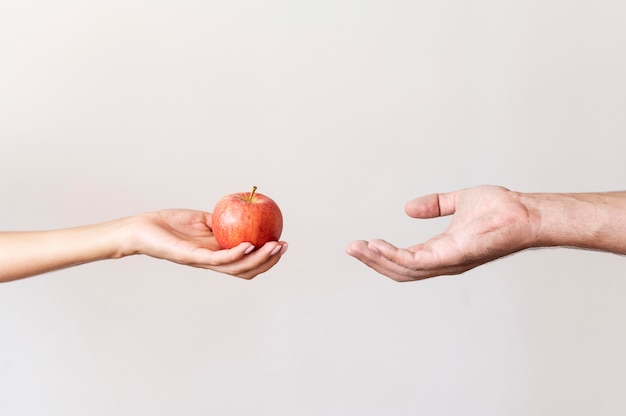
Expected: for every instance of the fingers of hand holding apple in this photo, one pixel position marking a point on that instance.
(241, 261)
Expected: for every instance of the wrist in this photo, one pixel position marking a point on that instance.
(122, 242)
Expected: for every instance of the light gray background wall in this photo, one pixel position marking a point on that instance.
(341, 111)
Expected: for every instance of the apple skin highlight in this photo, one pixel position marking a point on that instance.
(246, 217)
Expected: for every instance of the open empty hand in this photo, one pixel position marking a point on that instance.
(490, 222)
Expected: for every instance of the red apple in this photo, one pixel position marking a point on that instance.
(246, 216)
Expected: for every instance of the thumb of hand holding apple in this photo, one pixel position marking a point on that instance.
(246, 217)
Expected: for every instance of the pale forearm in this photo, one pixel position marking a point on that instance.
(24, 254)
(595, 221)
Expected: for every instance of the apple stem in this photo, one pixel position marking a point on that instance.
(251, 194)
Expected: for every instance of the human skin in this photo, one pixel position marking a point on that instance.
(489, 222)
(181, 236)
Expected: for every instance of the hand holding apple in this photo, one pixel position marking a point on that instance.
(246, 217)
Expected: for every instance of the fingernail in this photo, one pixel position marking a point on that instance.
(284, 249)
(249, 250)
(276, 250)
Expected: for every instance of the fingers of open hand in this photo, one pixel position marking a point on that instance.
(401, 265)
(378, 255)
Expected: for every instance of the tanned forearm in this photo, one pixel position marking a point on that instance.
(595, 221)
